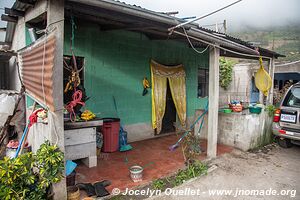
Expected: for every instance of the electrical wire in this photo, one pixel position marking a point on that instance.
(19, 74)
(187, 37)
(290, 63)
(225, 49)
(204, 16)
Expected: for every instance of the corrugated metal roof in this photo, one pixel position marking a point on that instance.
(11, 26)
(141, 12)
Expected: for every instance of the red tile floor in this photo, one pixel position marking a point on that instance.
(152, 154)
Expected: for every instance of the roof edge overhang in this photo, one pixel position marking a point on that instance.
(192, 29)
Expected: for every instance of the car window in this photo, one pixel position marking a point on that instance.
(292, 99)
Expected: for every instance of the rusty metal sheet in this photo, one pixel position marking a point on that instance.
(37, 64)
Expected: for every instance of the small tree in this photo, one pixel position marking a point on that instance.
(29, 176)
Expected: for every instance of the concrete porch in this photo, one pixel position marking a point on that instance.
(152, 154)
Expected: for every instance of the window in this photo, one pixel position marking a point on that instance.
(292, 99)
(203, 82)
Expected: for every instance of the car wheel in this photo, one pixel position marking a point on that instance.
(284, 143)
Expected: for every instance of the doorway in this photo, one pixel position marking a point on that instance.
(169, 118)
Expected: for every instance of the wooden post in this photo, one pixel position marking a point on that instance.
(55, 21)
(213, 97)
(271, 73)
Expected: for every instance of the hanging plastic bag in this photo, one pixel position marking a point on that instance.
(7, 106)
(263, 80)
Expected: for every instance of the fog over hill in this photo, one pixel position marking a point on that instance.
(246, 14)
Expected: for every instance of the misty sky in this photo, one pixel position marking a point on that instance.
(256, 13)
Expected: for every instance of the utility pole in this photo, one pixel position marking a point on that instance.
(225, 26)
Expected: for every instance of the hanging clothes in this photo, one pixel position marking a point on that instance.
(159, 76)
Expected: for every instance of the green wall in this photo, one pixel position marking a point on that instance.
(117, 61)
(29, 101)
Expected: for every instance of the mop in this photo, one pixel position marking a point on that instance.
(201, 117)
(123, 144)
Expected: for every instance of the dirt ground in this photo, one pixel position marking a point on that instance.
(269, 173)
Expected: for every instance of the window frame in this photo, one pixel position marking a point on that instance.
(205, 74)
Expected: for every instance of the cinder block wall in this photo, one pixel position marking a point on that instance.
(117, 61)
(244, 130)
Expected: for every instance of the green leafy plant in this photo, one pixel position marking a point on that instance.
(158, 184)
(226, 67)
(270, 109)
(29, 176)
(193, 170)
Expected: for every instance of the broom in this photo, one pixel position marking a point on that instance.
(123, 144)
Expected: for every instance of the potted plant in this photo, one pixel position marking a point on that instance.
(30, 176)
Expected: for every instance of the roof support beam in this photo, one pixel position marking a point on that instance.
(5, 43)
(213, 98)
(14, 12)
(8, 18)
(28, 2)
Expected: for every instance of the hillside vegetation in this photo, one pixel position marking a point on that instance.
(284, 40)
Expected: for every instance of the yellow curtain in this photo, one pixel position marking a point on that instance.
(177, 86)
(176, 77)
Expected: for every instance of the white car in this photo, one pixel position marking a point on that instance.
(286, 122)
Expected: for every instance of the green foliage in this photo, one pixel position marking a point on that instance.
(158, 184)
(270, 109)
(226, 67)
(284, 40)
(193, 170)
(29, 176)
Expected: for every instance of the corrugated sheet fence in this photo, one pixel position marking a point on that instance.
(36, 62)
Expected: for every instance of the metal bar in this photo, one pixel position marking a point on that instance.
(198, 18)
(225, 49)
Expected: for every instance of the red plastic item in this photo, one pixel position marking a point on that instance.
(276, 117)
(110, 131)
